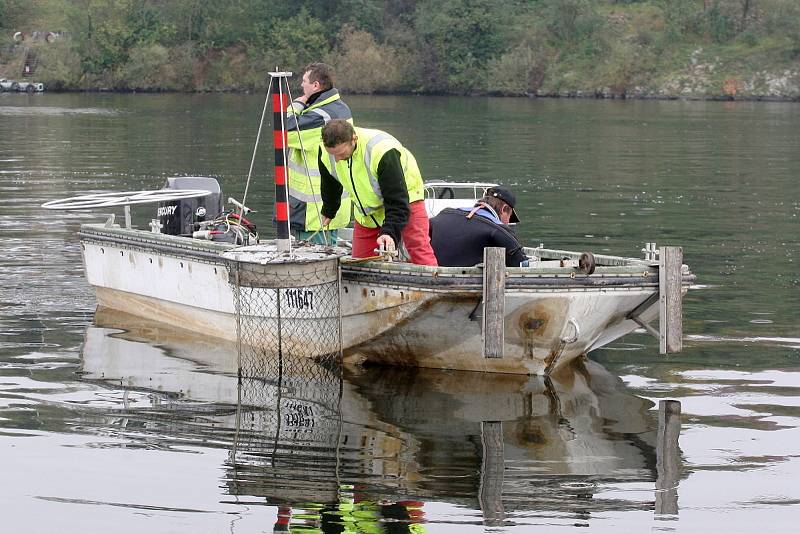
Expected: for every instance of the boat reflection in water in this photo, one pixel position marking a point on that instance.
(336, 447)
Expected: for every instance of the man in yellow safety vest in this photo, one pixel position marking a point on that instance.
(319, 103)
(385, 185)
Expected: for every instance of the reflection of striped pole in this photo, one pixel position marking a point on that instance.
(284, 519)
(279, 102)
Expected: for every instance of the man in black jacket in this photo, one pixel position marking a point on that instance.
(458, 236)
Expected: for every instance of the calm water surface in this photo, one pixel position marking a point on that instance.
(112, 424)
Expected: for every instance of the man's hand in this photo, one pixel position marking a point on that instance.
(386, 242)
(325, 221)
(302, 98)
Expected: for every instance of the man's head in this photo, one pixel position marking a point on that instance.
(317, 77)
(502, 201)
(339, 139)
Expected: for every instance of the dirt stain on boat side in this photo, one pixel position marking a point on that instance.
(534, 326)
(407, 330)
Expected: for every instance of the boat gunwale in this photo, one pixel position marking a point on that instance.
(538, 282)
(628, 272)
(165, 249)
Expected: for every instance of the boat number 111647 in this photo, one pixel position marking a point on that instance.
(302, 299)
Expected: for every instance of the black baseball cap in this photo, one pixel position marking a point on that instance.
(506, 196)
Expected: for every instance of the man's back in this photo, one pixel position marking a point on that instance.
(459, 241)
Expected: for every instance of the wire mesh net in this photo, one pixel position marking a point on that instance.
(288, 314)
(286, 311)
(288, 430)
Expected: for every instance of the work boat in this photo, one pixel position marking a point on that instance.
(209, 273)
(552, 311)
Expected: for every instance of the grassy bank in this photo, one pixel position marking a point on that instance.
(743, 49)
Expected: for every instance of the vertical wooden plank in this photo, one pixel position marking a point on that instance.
(490, 493)
(494, 299)
(670, 310)
(668, 457)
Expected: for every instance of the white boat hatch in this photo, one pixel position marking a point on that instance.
(443, 194)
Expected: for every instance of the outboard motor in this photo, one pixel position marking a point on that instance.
(181, 217)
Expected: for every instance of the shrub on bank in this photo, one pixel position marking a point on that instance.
(148, 68)
(520, 71)
(364, 66)
(59, 66)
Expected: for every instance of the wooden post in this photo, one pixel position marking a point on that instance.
(494, 299)
(490, 493)
(668, 457)
(670, 309)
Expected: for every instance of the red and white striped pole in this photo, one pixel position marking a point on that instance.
(279, 103)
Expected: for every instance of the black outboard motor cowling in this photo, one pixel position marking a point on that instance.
(180, 217)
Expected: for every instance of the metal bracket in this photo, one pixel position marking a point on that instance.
(473, 315)
(638, 310)
(650, 330)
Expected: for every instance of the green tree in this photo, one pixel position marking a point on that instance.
(682, 17)
(297, 41)
(782, 19)
(571, 22)
(458, 38)
(100, 34)
(720, 22)
(209, 24)
(364, 15)
(147, 24)
(15, 15)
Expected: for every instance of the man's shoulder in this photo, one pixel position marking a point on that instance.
(460, 216)
(449, 212)
(464, 214)
(361, 131)
(330, 101)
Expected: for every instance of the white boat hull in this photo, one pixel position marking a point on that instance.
(389, 315)
(539, 330)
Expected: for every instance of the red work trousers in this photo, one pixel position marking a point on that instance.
(415, 237)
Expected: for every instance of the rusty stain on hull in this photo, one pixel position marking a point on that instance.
(537, 325)
(411, 342)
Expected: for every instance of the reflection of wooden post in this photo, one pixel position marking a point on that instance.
(668, 457)
(670, 309)
(494, 297)
(490, 493)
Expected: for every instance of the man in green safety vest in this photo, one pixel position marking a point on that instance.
(319, 103)
(385, 186)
